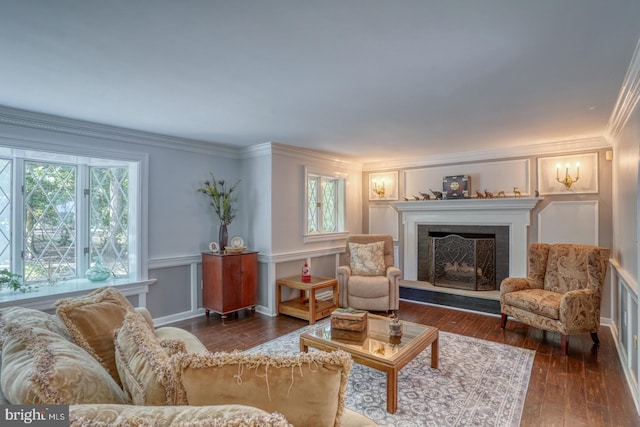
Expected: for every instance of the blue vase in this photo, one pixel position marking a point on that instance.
(98, 273)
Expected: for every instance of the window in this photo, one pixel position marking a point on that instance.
(66, 213)
(325, 206)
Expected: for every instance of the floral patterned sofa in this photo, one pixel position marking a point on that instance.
(562, 291)
(102, 356)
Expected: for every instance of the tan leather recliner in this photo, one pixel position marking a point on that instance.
(367, 292)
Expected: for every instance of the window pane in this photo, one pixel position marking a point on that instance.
(312, 203)
(109, 220)
(5, 213)
(329, 205)
(50, 221)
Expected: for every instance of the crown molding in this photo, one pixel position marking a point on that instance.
(554, 147)
(627, 98)
(273, 148)
(45, 122)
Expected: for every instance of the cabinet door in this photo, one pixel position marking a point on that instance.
(231, 283)
(249, 279)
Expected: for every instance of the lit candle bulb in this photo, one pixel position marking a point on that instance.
(558, 171)
(578, 170)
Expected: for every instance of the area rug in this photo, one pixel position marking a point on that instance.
(478, 383)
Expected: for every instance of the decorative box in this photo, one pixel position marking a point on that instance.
(349, 319)
(350, 337)
(456, 187)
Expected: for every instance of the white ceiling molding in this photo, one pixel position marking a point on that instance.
(300, 154)
(628, 97)
(39, 121)
(555, 147)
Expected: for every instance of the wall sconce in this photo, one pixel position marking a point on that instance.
(378, 189)
(567, 181)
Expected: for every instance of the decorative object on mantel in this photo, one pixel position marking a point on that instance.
(456, 186)
(488, 194)
(437, 194)
(221, 201)
(517, 193)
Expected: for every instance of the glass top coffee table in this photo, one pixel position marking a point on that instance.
(376, 348)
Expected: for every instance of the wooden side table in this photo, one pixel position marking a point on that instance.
(306, 307)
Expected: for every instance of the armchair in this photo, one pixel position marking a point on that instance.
(561, 293)
(369, 280)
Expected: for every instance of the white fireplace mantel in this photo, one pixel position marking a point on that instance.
(512, 212)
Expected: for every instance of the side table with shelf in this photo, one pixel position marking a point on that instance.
(229, 282)
(306, 306)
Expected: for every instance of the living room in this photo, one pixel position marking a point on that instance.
(177, 224)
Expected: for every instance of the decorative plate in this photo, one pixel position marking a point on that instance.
(236, 242)
(213, 246)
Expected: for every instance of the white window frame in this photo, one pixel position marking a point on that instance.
(341, 205)
(50, 152)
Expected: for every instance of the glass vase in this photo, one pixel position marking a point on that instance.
(223, 236)
(98, 272)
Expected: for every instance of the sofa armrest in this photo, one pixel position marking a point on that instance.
(580, 311)
(393, 273)
(191, 343)
(514, 284)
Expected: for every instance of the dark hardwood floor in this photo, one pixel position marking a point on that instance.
(575, 390)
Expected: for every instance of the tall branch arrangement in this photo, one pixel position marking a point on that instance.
(220, 198)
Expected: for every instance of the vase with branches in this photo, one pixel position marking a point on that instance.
(220, 199)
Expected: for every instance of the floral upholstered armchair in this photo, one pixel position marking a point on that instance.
(369, 280)
(562, 291)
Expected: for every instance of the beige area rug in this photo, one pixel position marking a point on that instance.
(478, 383)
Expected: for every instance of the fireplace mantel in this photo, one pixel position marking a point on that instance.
(512, 212)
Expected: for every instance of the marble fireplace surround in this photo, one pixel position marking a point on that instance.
(512, 212)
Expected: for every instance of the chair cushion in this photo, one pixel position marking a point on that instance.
(92, 319)
(367, 259)
(369, 286)
(307, 388)
(40, 367)
(141, 362)
(538, 301)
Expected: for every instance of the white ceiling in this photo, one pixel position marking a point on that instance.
(372, 79)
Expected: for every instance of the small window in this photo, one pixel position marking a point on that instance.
(325, 206)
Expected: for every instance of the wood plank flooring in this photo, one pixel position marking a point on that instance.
(575, 390)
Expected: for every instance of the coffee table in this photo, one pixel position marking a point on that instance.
(378, 350)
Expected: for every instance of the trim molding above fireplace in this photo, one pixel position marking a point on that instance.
(512, 212)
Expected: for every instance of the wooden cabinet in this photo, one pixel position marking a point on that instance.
(229, 282)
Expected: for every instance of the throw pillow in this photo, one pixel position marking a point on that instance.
(307, 388)
(91, 320)
(141, 362)
(367, 259)
(39, 367)
(31, 318)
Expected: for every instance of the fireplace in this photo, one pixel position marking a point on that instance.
(507, 218)
(474, 258)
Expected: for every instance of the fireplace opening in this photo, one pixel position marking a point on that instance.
(463, 261)
(469, 257)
